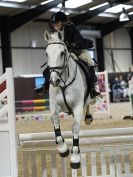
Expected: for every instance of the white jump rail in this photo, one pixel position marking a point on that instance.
(83, 133)
(8, 152)
(102, 154)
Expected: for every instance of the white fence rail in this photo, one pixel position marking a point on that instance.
(8, 160)
(102, 154)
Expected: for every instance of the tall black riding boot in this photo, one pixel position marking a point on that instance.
(43, 89)
(93, 93)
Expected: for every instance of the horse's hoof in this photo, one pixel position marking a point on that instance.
(75, 165)
(88, 119)
(65, 154)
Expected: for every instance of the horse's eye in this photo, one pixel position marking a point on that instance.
(62, 53)
(46, 54)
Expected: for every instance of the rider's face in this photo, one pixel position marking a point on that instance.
(58, 25)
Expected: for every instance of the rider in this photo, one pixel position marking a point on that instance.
(76, 44)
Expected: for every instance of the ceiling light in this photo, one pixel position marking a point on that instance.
(67, 13)
(109, 15)
(118, 8)
(123, 16)
(55, 9)
(14, 0)
(98, 6)
(130, 13)
(67, 10)
(45, 2)
(75, 3)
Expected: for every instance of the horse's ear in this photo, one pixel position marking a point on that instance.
(60, 35)
(46, 35)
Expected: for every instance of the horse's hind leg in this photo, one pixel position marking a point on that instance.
(88, 116)
(61, 145)
(75, 156)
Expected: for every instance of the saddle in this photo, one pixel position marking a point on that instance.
(86, 69)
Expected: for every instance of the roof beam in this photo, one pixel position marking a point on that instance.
(20, 19)
(111, 26)
(117, 1)
(80, 19)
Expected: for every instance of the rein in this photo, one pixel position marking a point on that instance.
(64, 88)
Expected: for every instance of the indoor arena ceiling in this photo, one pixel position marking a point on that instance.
(97, 14)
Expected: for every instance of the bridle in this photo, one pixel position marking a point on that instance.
(63, 67)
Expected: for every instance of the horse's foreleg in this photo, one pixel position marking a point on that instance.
(55, 110)
(61, 145)
(75, 156)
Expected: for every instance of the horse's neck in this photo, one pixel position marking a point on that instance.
(72, 66)
(72, 69)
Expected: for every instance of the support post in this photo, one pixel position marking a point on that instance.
(131, 39)
(6, 44)
(100, 54)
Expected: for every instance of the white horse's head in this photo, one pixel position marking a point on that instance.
(56, 53)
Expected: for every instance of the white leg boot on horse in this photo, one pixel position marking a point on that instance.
(75, 153)
(61, 145)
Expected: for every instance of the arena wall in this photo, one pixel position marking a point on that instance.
(27, 60)
(119, 41)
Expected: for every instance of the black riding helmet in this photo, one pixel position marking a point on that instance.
(59, 16)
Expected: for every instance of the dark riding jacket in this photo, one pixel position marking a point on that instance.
(74, 40)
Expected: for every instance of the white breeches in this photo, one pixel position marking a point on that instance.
(86, 56)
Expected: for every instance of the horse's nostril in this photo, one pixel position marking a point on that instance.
(58, 81)
(55, 83)
(50, 81)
